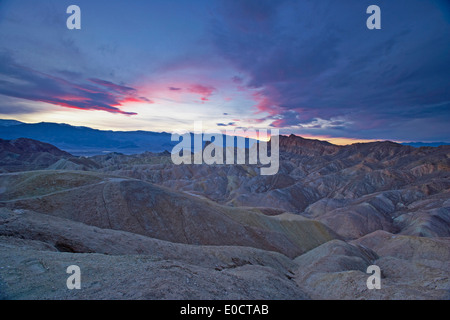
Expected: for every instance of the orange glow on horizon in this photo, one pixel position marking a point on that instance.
(340, 141)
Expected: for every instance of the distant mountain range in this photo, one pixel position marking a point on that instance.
(87, 141)
(7, 123)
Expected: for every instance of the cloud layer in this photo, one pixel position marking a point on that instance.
(93, 94)
(306, 67)
(315, 61)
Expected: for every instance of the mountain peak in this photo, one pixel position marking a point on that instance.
(29, 146)
(9, 123)
(301, 146)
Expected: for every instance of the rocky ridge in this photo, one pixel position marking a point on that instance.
(143, 228)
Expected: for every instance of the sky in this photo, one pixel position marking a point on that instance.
(306, 67)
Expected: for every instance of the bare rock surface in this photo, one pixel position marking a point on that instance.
(142, 228)
(47, 233)
(36, 249)
(337, 270)
(31, 274)
(143, 208)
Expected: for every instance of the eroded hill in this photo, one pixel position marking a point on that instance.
(144, 228)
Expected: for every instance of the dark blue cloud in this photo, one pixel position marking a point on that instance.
(317, 60)
(22, 82)
(312, 66)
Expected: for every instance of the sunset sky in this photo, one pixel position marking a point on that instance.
(310, 68)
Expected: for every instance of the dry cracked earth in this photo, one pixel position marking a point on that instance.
(140, 227)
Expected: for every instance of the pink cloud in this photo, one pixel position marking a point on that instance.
(129, 99)
(204, 91)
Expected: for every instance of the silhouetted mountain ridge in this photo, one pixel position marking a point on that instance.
(28, 154)
(80, 140)
(88, 141)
